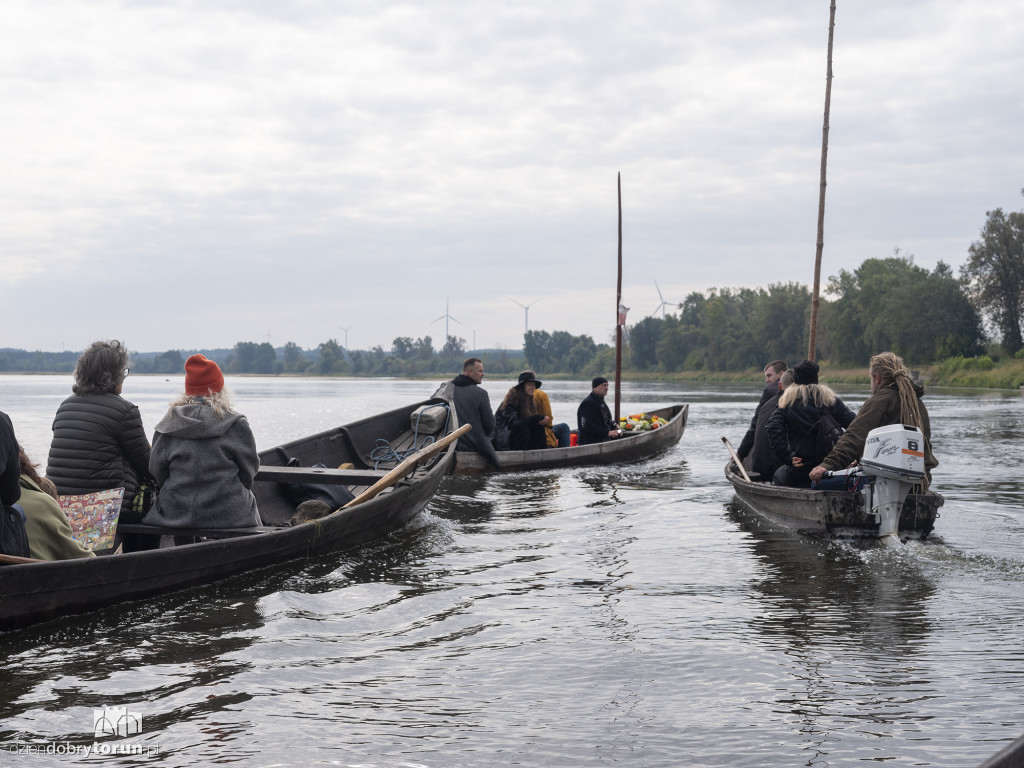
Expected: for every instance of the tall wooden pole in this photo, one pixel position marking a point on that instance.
(618, 318)
(813, 339)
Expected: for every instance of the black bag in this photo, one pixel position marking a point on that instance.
(145, 497)
(820, 439)
(13, 538)
(329, 493)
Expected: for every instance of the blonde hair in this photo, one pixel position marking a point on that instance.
(891, 370)
(220, 402)
(815, 395)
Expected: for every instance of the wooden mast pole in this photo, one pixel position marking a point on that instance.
(813, 339)
(618, 319)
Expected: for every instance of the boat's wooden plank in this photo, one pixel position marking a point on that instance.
(209, 533)
(324, 475)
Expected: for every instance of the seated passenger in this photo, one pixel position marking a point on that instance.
(556, 435)
(772, 374)
(473, 406)
(13, 540)
(763, 460)
(204, 457)
(48, 529)
(594, 422)
(895, 399)
(517, 425)
(792, 429)
(98, 439)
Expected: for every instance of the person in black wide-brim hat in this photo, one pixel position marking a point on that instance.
(517, 425)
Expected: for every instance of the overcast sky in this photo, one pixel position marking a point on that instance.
(194, 174)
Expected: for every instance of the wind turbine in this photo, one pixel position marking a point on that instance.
(663, 302)
(446, 317)
(526, 312)
(346, 334)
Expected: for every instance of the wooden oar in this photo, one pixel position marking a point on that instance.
(15, 560)
(406, 466)
(736, 459)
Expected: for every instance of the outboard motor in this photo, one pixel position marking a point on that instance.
(894, 456)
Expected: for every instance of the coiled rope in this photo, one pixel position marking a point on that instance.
(385, 453)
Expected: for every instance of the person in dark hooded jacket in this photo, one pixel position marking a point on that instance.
(792, 428)
(204, 457)
(473, 406)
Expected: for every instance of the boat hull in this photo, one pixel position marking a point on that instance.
(35, 592)
(631, 447)
(835, 514)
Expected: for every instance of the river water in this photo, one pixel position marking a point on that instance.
(634, 616)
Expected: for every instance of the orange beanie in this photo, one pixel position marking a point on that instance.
(202, 376)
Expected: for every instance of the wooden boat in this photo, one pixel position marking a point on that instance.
(34, 590)
(1010, 756)
(631, 447)
(837, 514)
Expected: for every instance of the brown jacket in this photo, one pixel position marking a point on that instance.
(879, 410)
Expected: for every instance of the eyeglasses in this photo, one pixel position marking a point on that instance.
(127, 371)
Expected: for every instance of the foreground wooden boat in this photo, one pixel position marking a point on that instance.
(836, 514)
(39, 590)
(631, 447)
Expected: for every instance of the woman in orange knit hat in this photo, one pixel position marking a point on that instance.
(204, 457)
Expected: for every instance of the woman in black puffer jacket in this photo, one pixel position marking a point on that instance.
(98, 439)
(792, 430)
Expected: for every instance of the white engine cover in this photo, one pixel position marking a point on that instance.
(895, 451)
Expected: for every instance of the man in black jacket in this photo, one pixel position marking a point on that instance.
(772, 372)
(593, 419)
(473, 406)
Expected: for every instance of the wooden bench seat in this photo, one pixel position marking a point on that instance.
(319, 475)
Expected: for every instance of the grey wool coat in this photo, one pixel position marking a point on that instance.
(205, 466)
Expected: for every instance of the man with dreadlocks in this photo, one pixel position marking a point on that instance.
(895, 399)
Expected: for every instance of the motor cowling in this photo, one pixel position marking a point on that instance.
(894, 456)
(895, 451)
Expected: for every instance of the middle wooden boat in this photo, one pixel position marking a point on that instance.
(631, 447)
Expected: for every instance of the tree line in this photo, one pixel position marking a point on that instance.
(884, 304)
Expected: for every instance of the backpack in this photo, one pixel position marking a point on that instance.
(821, 438)
(13, 539)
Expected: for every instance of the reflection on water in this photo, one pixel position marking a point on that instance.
(629, 616)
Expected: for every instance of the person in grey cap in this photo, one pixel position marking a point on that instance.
(594, 422)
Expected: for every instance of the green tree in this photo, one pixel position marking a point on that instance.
(244, 358)
(330, 353)
(294, 360)
(265, 360)
(404, 348)
(424, 348)
(582, 353)
(995, 274)
(643, 342)
(537, 349)
(453, 353)
(168, 362)
(893, 304)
